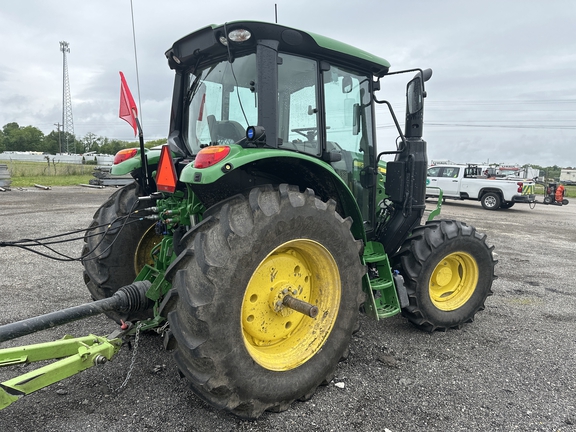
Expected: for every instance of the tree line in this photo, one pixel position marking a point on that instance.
(14, 137)
(29, 138)
(550, 172)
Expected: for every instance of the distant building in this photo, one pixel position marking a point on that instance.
(568, 175)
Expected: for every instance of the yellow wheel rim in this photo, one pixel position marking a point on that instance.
(453, 281)
(277, 337)
(143, 253)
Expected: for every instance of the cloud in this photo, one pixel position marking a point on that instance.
(502, 85)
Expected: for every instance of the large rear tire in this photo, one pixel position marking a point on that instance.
(114, 259)
(240, 347)
(448, 270)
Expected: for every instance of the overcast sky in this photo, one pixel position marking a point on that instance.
(503, 88)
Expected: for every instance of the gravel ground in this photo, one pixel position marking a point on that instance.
(513, 368)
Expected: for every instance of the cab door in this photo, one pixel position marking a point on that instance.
(349, 131)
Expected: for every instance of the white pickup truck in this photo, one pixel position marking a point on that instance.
(468, 182)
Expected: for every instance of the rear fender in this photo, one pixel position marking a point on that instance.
(245, 168)
(135, 162)
(484, 191)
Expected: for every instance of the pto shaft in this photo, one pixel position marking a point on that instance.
(129, 298)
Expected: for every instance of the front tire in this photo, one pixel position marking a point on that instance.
(448, 270)
(241, 349)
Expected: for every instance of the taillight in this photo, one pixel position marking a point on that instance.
(125, 154)
(520, 186)
(209, 156)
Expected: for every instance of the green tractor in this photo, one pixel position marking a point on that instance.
(268, 221)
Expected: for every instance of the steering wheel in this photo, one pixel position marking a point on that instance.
(308, 132)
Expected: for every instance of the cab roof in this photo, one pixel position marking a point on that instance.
(204, 44)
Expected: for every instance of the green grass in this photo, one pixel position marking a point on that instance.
(26, 174)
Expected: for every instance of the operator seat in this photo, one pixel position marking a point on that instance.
(225, 130)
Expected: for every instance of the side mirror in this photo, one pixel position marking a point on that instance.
(346, 84)
(415, 95)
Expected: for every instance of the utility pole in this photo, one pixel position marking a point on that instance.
(67, 121)
(59, 136)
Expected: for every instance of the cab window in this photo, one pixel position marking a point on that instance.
(450, 172)
(221, 103)
(298, 104)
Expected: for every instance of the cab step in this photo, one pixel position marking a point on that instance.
(382, 287)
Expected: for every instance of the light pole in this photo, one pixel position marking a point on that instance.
(59, 136)
(67, 121)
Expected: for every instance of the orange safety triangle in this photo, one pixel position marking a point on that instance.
(166, 174)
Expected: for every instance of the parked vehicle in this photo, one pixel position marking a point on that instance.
(515, 172)
(470, 182)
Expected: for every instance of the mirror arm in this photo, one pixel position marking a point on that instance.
(425, 74)
(398, 128)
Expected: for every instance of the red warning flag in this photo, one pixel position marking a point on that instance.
(128, 110)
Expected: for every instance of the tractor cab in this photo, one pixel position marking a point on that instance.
(264, 86)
